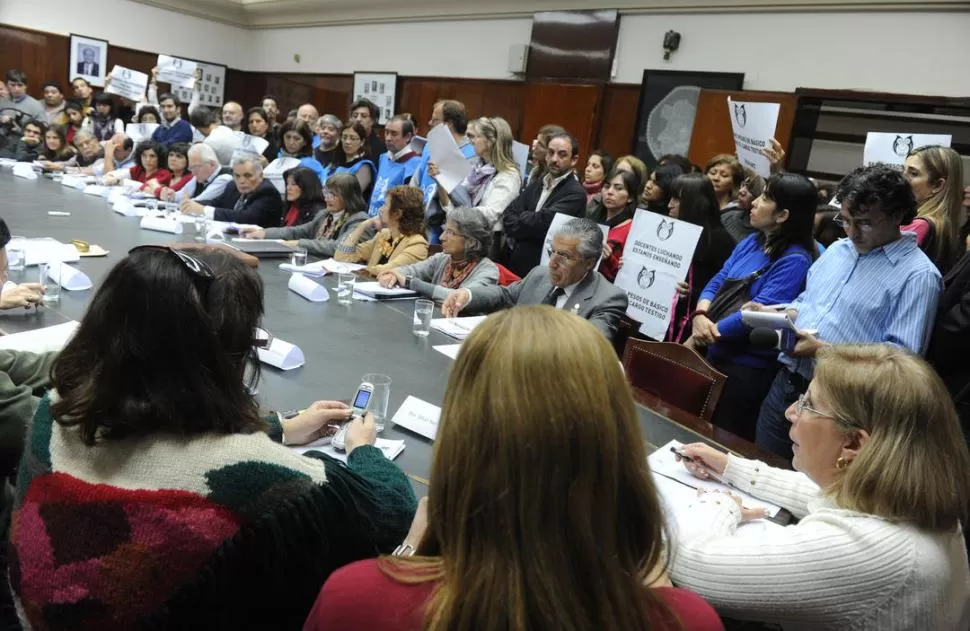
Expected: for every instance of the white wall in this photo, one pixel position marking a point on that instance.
(464, 48)
(782, 51)
(132, 25)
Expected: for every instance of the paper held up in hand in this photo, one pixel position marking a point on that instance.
(178, 72)
(140, 131)
(45, 340)
(282, 355)
(892, 148)
(127, 83)
(754, 126)
(451, 162)
(458, 328)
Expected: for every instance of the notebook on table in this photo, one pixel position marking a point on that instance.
(262, 248)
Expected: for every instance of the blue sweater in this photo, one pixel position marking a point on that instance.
(781, 283)
(181, 131)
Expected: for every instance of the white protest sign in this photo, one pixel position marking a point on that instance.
(418, 416)
(451, 162)
(754, 127)
(557, 223)
(178, 72)
(520, 153)
(127, 83)
(893, 148)
(250, 144)
(140, 131)
(656, 257)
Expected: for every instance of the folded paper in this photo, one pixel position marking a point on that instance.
(170, 225)
(308, 288)
(282, 355)
(68, 277)
(418, 416)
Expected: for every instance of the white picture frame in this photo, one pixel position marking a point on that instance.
(212, 87)
(379, 88)
(88, 59)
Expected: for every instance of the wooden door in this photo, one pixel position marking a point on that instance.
(571, 106)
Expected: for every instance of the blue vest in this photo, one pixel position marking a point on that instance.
(390, 174)
(351, 169)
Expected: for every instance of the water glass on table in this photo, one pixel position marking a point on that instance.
(201, 228)
(298, 258)
(379, 398)
(49, 276)
(345, 288)
(423, 309)
(17, 254)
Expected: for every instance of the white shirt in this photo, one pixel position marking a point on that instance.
(567, 292)
(548, 185)
(223, 141)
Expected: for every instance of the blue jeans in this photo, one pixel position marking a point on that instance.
(772, 430)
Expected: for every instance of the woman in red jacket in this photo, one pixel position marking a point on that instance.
(178, 166)
(541, 512)
(616, 207)
(149, 156)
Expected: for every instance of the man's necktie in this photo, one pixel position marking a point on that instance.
(553, 296)
(240, 203)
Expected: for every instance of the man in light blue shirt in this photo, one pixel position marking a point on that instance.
(875, 286)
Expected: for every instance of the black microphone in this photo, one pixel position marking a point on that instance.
(765, 338)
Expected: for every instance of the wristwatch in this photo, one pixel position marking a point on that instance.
(407, 282)
(404, 550)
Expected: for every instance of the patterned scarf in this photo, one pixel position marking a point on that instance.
(456, 272)
(387, 248)
(478, 179)
(331, 227)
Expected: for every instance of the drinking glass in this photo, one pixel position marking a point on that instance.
(380, 398)
(201, 228)
(298, 258)
(17, 254)
(49, 276)
(422, 317)
(345, 288)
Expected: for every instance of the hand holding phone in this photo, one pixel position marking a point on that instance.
(358, 408)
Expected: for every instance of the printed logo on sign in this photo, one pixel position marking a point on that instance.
(903, 145)
(177, 63)
(665, 230)
(646, 278)
(126, 74)
(740, 114)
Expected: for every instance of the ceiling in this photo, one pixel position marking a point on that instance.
(293, 13)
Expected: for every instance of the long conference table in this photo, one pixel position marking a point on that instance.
(341, 343)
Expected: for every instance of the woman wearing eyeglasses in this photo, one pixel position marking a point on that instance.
(400, 236)
(881, 487)
(153, 494)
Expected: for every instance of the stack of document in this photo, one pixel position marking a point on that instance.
(316, 270)
(337, 267)
(458, 328)
(374, 290)
(390, 448)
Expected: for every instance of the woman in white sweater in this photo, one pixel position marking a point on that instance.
(495, 179)
(881, 488)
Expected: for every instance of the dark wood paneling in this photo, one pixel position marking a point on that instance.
(617, 119)
(572, 107)
(573, 45)
(417, 95)
(43, 56)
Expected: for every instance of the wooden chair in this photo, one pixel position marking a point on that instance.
(628, 326)
(675, 374)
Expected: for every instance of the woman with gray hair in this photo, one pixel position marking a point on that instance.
(327, 129)
(461, 264)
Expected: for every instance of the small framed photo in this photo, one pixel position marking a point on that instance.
(380, 88)
(88, 59)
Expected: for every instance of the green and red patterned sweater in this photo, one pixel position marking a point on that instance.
(209, 531)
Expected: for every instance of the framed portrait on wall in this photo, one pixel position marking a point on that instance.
(88, 59)
(668, 104)
(381, 89)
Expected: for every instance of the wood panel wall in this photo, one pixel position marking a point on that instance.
(600, 116)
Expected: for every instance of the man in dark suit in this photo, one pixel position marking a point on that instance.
(527, 219)
(950, 344)
(88, 66)
(248, 199)
(570, 283)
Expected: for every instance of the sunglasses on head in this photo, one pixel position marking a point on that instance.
(196, 267)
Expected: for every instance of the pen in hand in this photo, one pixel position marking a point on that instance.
(714, 475)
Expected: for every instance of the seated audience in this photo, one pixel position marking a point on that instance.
(103, 121)
(726, 174)
(365, 113)
(949, 346)
(345, 210)
(878, 545)
(826, 230)
(635, 166)
(151, 467)
(656, 194)
(328, 128)
(249, 198)
(682, 161)
(272, 109)
(495, 178)
(232, 115)
(875, 286)
(56, 148)
(351, 156)
(462, 262)
(400, 240)
(149, 158)
(178, 166)
(213, 133)
(452, 115)
(148, 114)
(519, 409)
(259, 124)
(396, 165)
(18, 108)
(693, 200)
(83, 93)
(54, 104)
(296, 150)
(735, 218)
(209, 180)
(768, 267)
(826, 191)
(598, 165)
(89, 152)
(616, 210)
(74, 112)
(527, 219)
(308, 114)
(30, 147)
(936, 176)
(569, 282)
(172, 127)
(304, 196)
(536, 168)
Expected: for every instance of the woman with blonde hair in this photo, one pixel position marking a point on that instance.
(636, 166)
(495, 179)
(936, 176)
(726, 174)
(882, 487)
(541, 512)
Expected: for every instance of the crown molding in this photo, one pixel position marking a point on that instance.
(268, 14)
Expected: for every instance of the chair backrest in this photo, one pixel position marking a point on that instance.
(627, 327)
(505, 276)
(675, 374)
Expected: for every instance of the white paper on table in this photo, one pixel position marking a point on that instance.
(44, 250)
(124, 207)
(250, 144)
(25, 170)
(7, 162)
(374, 290)
(663, 462)
(754, 126)
(282, 355)
(449, 350)
(309, 289)
(390, 448)
(70, 181)
(520, 153)
(313, 270)
(98, 190)
(139, 132)
(157, 223)
(68, 277)
(178, 72)
(458, 328)
(127, 83)
(131, 186)
(418, 416)
(451, 162)
(656, 257)
(893, 148)
(558, 221)
(45, 340)
(338, 267)
(116, 194)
